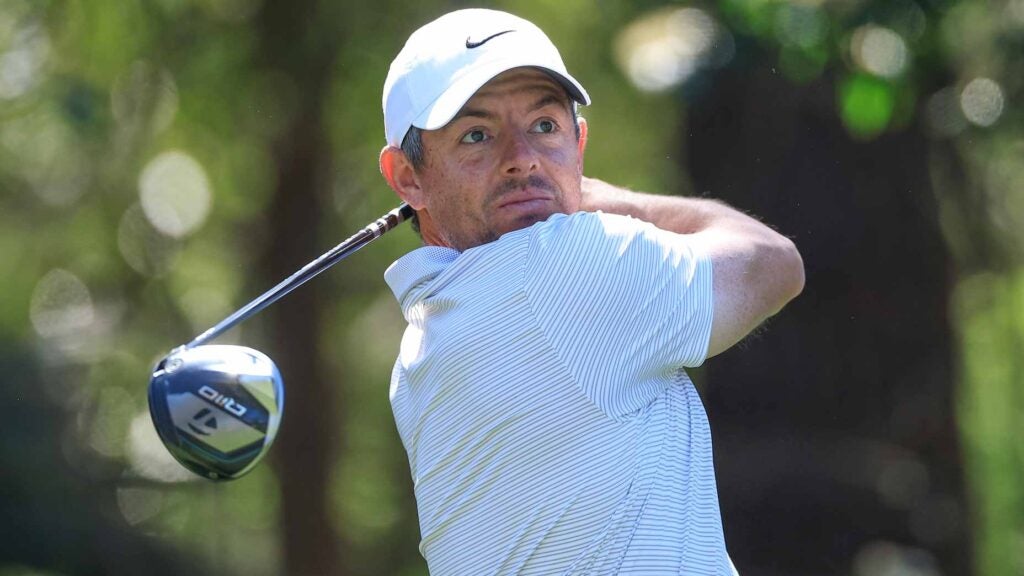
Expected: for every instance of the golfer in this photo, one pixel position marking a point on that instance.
(539, 389)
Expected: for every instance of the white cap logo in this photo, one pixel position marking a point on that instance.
(446, 61)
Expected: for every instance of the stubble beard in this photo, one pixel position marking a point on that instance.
(485, 232)
(536, 182)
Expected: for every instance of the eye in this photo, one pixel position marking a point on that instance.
(473, 137)
(544, 127)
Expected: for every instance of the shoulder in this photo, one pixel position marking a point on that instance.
(594, 248)
(587, 226)
(593, 234)
(559, 244)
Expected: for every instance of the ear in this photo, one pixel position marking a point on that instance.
(398, 171)
(582, 143)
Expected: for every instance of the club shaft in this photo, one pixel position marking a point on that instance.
(368, 234)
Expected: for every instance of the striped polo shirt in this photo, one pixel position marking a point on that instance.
(540, 395)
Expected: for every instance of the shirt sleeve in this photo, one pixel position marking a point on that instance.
(624, 304)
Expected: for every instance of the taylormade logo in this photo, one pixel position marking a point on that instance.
(221, 400)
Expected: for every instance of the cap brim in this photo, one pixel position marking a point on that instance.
(448, 104)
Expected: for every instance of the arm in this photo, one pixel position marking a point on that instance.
(756, 270)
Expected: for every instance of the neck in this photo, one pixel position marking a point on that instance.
(429, 232)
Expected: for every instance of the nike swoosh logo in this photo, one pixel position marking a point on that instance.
(470, 44)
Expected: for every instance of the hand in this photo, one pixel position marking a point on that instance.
(599, 195)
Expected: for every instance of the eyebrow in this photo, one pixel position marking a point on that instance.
(551, 97)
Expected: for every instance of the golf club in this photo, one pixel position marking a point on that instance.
(217, 407)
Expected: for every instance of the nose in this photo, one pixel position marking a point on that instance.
(520, 157)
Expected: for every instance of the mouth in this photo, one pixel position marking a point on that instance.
(529, 193)
(525, 199)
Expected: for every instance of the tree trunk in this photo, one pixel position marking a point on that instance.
(293, 44)
(861, 361)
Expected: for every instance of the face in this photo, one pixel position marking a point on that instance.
(508, 159)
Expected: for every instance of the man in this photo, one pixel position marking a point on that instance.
(539, 389)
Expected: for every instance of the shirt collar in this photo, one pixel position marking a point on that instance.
(417, 268)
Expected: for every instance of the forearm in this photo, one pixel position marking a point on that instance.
(673, 213)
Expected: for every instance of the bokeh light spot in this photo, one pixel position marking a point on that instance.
(664, 48)
(139, 504)
(109, 421)
(144, 94)
(144, 249)
(889, 559)
(148, 456)
(866, 105)
(902, 482)
(21, 64)
(175, 193)
(943, 113)
(879, 50)
(45, 152)
(61, 305)
(982, 101)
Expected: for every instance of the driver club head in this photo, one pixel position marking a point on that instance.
(216, 408)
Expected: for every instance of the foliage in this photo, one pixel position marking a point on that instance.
(138, 169)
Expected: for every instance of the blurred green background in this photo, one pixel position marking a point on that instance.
(162, 162)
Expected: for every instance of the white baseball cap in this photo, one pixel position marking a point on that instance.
(446, 61)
